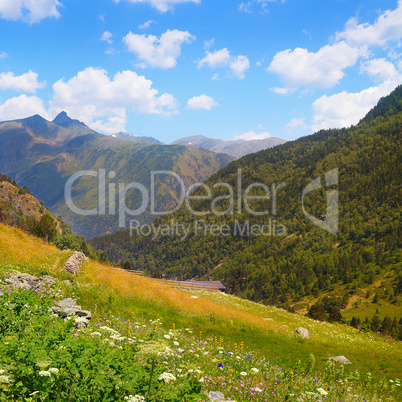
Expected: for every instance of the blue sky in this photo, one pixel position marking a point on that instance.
(224, 69)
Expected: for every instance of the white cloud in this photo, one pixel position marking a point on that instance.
(102, 102)
(252, 135)
(209, 43)
(297, 124)
(379, 69)
(222, 58)
(282, 91)
(162, 5)
(218, 58)
(344, 109)
(323, 69)
(29, 10)
(256, 5)
(239, 65)
(107, 37)
(154, 52)
(21, 107)
(27, 82)
(3, 55)
(387, 27)
(201, 102)
(146, 24)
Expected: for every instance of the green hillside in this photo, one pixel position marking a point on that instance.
(216, 342)
(301, 260)
(43, 155)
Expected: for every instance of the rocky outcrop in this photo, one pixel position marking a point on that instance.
(302, 332)
(74, 262)
(26, 281)
(340, 359)
(67, 307)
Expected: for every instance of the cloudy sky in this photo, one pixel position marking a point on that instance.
(222, 68)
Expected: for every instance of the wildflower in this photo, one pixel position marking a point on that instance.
(166, 336)
(54, 370)
(4, 379)
(254, 370)
(136, 398)
(166, 377)
(154, 349)
(2, 371)
(243, 373)
(220, 365)
(96, 334)
(45, 374)
(75, 334)
(322, 391)
(257, 389)
(176, 343)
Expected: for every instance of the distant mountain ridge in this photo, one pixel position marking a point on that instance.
(43, 155)
(237, 148)
(132, 137)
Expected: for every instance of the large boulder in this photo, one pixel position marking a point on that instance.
(74, 262)
(302, 332)
(340, 359)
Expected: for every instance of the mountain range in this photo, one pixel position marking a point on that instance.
(43, 155)
(286, 255)
(132, 137)
(236, 148)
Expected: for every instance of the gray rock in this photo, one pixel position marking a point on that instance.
(216, 396)
(74, 262)
(22, 285)
(340, 359)
(26, 281)
(84, 313)
(47, 279)
(66, 303)
(67, 307)
(81, 323)
(302, 332)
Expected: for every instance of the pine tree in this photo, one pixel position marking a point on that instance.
(46, 228)
(376, 323)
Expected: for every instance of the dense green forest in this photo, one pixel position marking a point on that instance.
(305, 259)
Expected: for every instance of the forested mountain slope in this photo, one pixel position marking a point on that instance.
(302, 258)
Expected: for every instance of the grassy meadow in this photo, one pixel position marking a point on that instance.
(216, 342)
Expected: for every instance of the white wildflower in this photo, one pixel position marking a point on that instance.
(254, 370)
(243, 373)
(54, 370)
(45, 374)
(257, 389)
(166, 336)
(136, 398)
(154, 349)
(4, 379)
(2, 371)
(322, 391)
(166, 377)
(96, 334)
(175, 343)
